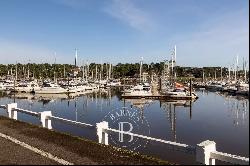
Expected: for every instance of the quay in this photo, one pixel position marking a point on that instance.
(50, 147)
(158, 97)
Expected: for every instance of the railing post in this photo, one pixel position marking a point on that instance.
(12, 113)
(46, 122)
(102, 136)
(203, 151)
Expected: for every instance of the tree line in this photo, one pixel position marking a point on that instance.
(118, 71)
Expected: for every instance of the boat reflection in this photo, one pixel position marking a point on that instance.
(169, 108)
(238, 109)
(139, 104)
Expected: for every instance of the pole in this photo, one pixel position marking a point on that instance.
(190, 86)
(96, 72)
(63, 71)
(221, 74)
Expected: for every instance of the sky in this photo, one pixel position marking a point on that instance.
(205, 32)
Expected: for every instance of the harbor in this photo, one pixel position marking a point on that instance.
(167, 115)
(115, 106)
(85, 97)
(124, 82)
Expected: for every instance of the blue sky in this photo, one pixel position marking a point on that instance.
(206, 32)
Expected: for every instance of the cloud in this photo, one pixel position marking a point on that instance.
(12, 52)
(128, 13)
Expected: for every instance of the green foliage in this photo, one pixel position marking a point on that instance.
(120, 70)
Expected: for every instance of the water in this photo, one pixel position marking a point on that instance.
(223, 119)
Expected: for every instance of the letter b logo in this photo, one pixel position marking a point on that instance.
(121, 128)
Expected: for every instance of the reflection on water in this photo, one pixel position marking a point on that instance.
(223, 119)
(237, 110)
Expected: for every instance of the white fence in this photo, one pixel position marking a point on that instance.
(205, 152)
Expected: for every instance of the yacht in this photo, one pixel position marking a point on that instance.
(114, 83)
(26, 87)
(6, 85)
(180, 92)
(215, 86)
(242, 89)
(49, 87)
(143, 89)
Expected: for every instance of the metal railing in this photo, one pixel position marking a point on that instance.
(205, 152)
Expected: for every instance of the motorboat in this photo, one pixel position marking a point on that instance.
(49, 87)
(26, 87)
(143, 89)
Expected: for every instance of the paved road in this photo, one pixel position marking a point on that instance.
(12, 153)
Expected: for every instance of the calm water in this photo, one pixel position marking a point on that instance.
(223, 119)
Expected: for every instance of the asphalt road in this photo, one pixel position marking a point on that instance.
(12, 153)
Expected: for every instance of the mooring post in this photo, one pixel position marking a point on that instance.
(102, 136)
(44, 118)
(10, 110)
(203, 151)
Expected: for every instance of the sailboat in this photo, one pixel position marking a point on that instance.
(178, 90)
(49, 87)
(140, 90)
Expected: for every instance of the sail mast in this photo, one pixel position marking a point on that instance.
(75, 57)
(141, 68)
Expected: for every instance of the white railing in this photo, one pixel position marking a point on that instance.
(205, 152)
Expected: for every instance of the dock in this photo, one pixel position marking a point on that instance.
(158, 97)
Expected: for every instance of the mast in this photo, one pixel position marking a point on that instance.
(15, 80)
(215, 74)
(63, 71)
(28, 70)
(172, 65)
(141, 68)
(175, 60)
(110, 70)
(245, 71)
(55, 69)
(236, 70)
(92, 75)
(107, 71)
(95, 72)
(83, 72)
(101, 71)
(175, 53)
(203, 76)
(16, 70)
(221, 74)
(75, 57)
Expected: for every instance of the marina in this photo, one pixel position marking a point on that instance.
(174, 117)
(130, 113)
(186, 110)
(124, 82)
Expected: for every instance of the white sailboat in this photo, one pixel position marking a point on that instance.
(27, 87)
(141, 89)
(52, 88)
